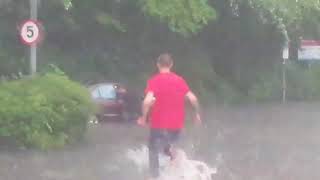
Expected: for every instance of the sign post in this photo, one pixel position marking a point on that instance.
(33, 48)
(285, 56)
(284, 82)
(30, 35)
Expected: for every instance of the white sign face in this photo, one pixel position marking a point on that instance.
(30, 32)
(309, 50)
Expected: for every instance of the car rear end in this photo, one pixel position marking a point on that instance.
(111, 108)
(106, 97)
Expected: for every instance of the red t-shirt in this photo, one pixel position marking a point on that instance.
(168, 110)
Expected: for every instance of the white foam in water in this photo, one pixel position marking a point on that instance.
(183, 168)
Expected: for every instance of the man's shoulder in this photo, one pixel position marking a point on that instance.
(153, 77)
(178, 77)
(165, 77)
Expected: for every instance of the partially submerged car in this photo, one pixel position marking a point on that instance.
(113, 101)
(109, 99)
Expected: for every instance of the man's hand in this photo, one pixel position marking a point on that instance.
(146, 105)
(194, 102)
(197, 119)
(142, 121)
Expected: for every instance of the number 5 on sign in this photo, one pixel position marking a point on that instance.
(30, 32)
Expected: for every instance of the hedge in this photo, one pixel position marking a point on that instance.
(46, 111)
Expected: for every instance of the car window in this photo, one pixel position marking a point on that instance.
(107, 92)
(95, 93)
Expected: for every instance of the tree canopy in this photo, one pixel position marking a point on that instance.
(233, 40)
(188, 17)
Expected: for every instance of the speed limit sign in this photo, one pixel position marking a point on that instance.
(30, 32)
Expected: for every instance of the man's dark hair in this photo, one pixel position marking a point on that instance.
(165, 60)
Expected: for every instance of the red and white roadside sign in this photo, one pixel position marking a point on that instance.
(30, 32)
(309, 50)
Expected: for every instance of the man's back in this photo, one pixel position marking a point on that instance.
(165, 96)
(169, 90)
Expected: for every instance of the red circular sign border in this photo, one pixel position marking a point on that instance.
(38, 23)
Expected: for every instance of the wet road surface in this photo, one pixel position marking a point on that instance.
(245, 143)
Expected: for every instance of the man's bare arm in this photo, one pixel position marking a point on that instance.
(194, 101)
(146, 105)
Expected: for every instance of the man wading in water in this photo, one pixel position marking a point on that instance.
(165, 93)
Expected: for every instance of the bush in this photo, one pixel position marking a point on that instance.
(227, 94)
(47, 111)
(268, 88)
(303, 84)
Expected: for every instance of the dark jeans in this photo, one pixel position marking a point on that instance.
(160, 140)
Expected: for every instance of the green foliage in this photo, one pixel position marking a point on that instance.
(293, 17)
(46, 111)
(268, 88)
(67, 4)
(10, 64)
(107, 20)
(183, 16)
(303, 84)
(291, 12)
(226, 93)
(244, 42)
(203, 80)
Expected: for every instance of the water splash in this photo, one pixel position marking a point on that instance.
(182, 169)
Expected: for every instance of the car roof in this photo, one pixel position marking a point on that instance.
(100, 84)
